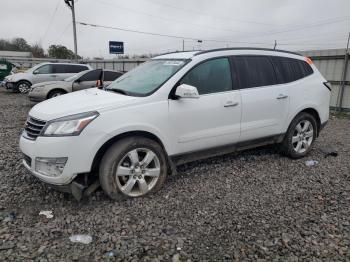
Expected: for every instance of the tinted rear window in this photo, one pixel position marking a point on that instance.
(254, 71)
(289, 69)
(91, 75)
(67, 69)
(75, 68)
(111, 76)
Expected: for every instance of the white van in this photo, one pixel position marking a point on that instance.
(173, 109)
(43, 73)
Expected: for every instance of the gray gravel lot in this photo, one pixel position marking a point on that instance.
(251, 206)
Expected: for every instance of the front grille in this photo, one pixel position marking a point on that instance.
(28, 160)
(33, 128)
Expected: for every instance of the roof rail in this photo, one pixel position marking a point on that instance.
(174, 52)
(246, 48)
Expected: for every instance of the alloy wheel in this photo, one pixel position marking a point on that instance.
(303, 136)
(23, 88)
(138, 172)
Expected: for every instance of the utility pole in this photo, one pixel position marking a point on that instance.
(183, 44)
(70, 4)
(275, 45)
(343, 79)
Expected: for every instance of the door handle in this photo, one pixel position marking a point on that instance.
(230, 103)
(282, 96)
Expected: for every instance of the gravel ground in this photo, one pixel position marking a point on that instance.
(256, 205)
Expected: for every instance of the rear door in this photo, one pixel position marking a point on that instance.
(60, 72)
(214, 118)
(264, 102)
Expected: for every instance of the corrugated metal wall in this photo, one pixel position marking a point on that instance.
(331, 64)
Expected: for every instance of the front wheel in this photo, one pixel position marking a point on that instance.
(23, 87)
(300, 136)
(55, 93)
(133, 167)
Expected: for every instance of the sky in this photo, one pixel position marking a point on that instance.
(294, 24)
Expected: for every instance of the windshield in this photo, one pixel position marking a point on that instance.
(147, 77)
(76, 76)
(33, 68)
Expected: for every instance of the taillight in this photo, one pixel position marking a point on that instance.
(309, 61)
(328, 85)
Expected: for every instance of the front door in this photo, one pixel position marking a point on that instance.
(43, 74)
(213, 119)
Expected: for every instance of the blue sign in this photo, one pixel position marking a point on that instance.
(116, 47)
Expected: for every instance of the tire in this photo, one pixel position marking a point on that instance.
(23, 87)
(55, 93)
(121, 159)
(300, 136)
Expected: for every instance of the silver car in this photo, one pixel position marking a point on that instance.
(42, 73)
(83, 80)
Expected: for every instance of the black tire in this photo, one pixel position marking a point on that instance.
(116, 153)
(287, 146)
(22, 87)
(55, 93)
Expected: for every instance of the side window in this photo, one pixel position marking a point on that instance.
(289, 69)
(306, 68)
(77, 68)
(111, 76)
(72, 69)
(45, 69)
(91, 76)
(58, 69)
(210, 77)
(254, 71)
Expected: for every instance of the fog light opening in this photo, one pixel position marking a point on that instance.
(52, 167)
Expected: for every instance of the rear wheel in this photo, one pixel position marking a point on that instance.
(55, 93)
(23, 87)
(300, 136)
(133, 167)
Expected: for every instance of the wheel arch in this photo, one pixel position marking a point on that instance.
(24, 80)
(55, 89)
(102, 150)
(312, 111)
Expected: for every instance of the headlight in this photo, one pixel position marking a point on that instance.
(69, 125)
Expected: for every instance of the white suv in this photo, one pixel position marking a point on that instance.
(43, 72)
(174, 109)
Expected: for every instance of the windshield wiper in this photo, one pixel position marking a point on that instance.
(116, 90)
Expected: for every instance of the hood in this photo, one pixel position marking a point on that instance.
(53, 84)
(17, 76)
(92, 99)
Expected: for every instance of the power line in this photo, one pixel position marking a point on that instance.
(196, 39)
(208, 15)
(158, 34)
(167, 18)
(52, 18)
(63, 32)
(303, 27)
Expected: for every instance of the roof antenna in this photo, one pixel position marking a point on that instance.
(275, 45)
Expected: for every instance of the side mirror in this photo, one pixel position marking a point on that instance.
(36, 72)
(186, 91)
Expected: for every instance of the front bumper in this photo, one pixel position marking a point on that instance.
(10, 85)
(37, 95)
(36, 98)
(55, 147)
